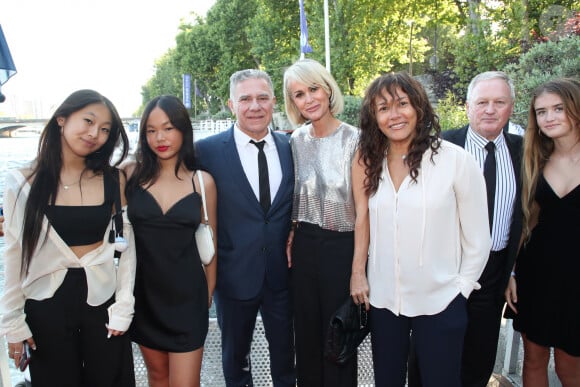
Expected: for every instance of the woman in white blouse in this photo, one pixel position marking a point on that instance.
(426, 234)
(64, 296)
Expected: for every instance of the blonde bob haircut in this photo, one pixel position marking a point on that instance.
(310, 72)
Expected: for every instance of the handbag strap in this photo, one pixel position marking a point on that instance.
(202, 188)
(118, 210)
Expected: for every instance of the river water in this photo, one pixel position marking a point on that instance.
(14, 153)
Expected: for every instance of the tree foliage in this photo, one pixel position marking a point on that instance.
(450, 39)
(543, 62)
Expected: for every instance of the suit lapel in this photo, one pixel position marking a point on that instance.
(515, 154)
(461, 136)
(456, 136)
(285, 156)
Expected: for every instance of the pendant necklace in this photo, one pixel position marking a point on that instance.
(67, 186)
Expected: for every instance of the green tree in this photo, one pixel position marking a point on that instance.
(274, 33)
(351, 112)
(451, 39)
(167, 78)
(198, 54)
(543, 62)
(229, 22)
(451, 112)
(488, 42)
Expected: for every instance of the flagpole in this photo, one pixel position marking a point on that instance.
(326, 35)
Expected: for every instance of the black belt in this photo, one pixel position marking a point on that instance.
(499, 253)
(316, 230)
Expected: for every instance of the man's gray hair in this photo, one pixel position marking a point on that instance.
(242, 75)
(491, 75)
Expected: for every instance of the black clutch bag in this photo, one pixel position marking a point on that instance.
(348, 328)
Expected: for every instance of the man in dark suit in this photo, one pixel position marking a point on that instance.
(490, 102)
(252, 268)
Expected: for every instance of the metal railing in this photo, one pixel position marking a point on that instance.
(212, 125)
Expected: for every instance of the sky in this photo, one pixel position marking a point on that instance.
(59, 46)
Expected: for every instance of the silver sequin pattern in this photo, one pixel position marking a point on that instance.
(323, 184)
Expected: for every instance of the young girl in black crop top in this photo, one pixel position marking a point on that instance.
(65, 295)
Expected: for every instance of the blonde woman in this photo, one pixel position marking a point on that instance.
(320, 247)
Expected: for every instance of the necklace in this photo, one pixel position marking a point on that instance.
(403, 157)
(67, 186)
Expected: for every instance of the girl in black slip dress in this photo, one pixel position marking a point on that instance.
(172, 289)
(171, 312)
(544, 292)
(548, 269)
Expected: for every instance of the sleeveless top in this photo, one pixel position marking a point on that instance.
(83, 225)
(322, 177)
(171, 295)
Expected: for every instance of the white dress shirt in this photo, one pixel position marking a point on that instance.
(429, 241)
(249, 158)
(505, 186)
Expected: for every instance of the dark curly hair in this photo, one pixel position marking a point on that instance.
(373, 144)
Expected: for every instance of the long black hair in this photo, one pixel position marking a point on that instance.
(45, 174)
(148, 167)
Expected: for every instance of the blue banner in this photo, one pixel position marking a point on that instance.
(196, 89)
(7, 68)
(187, 90)
(304, 46)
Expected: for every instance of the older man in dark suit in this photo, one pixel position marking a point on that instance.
(490, 103)
(253, 171)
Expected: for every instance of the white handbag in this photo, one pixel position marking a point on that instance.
(204, 234)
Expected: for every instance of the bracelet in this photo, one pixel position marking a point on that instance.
(513, 274)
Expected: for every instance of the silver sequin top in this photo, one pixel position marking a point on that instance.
(323, 184)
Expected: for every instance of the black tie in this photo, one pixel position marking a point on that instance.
(263, 174)
(489, 174)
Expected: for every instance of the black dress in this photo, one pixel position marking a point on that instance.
(171, 297)
(548, 273)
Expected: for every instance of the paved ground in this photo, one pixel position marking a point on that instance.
(500, 378)
(504, 378)
(499, 381)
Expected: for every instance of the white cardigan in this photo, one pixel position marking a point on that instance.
(430, 240)
(49, 265)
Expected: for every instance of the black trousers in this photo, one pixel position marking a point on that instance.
(72, 349)
(484, 308)
(438, 343)
(321, 268)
